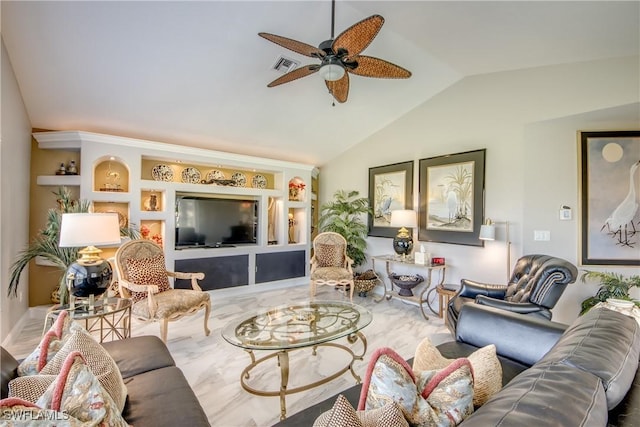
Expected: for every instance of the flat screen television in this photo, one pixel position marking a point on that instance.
(208, 221)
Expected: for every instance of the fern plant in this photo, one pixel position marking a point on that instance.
(344, 215)
(613, 285)
(45, 245)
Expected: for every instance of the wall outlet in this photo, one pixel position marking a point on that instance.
(565, 214)
(542, 235)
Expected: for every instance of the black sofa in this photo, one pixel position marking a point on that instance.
(157, 391)
(585, 374)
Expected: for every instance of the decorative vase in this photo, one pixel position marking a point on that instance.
(294, 193)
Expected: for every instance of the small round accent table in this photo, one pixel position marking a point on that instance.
(445, 292)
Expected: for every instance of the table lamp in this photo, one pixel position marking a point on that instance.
(403, 242)
(488, 232)
(90, 275)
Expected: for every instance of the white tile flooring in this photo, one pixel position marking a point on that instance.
(212, 366)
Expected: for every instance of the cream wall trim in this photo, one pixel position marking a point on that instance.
(173, 151)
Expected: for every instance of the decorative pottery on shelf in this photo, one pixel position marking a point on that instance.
(259, 181)
(240, 179)
(162, 172)
(296, 190)
(406, 282)
(190, 175)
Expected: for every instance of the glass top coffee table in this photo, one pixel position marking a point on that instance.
(297, 326)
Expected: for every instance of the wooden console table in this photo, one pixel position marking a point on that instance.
(427, 290)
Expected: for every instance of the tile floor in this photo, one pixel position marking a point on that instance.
(212, 366)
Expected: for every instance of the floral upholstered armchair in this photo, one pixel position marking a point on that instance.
(330, 264)
(142, 276)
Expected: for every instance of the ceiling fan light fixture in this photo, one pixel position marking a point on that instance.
(331, 72)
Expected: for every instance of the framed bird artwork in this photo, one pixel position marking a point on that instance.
(609, 184)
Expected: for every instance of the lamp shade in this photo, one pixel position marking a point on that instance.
(487, 232)
(403, 218)
(89, 229)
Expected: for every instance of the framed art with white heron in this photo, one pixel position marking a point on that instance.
(610, 216)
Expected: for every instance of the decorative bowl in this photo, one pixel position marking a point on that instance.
(406, 282)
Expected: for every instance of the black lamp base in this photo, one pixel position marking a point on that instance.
(402, 245)
(89, 279)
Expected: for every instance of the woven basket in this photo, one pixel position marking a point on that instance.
(362, 286)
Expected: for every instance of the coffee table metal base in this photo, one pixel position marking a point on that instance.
(283, 364)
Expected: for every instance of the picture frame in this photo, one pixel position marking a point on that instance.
(609, 214)
(452, 198)
(390, 188)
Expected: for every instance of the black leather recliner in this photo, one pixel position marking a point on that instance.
(535, 287)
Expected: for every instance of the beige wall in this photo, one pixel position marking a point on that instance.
(527, 120)
(44, 279)
(15, 135)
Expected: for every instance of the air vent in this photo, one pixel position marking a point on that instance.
(284, 64)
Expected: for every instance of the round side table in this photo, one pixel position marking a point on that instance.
(445, 292)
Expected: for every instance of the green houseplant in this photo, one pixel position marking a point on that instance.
(45, 245)
(613, 285)
(344, 215)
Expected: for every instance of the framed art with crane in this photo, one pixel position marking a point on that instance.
(451, 198)
(609, 187)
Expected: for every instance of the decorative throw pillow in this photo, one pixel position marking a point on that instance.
(78, 392)
(20, 412)
(50, 344)
(343, 414)
(97, 359)
(329, 255)
(487, 371)
(147, 271)
(438, 397)
(30, 387)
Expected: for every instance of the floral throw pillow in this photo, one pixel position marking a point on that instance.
(440, 397)
(18, 412)
(78, 392)
(487, 370)
(147, 271)
(52, 341)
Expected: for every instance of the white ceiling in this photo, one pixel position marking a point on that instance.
(196, 73)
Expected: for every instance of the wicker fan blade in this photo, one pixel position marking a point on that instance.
(294, 45)
(368, 66)
(358, 36)
(294, 75)
(339, 88)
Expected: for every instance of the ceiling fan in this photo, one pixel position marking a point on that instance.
(340, 56)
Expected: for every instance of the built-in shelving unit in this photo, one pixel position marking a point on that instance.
(139, 180)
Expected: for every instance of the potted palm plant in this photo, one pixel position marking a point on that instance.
(613, 285)
(343, 215)
(45, 245)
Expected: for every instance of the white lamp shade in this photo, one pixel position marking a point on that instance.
(331, 72)
(404, 218)
(487, 232)
(89, 229)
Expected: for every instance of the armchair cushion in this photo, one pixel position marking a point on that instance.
(147, 271)
(171, 302)
(515, 307)
(471, 289)
(331, 273)
(329, 255)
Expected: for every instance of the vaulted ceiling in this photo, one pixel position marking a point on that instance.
(196, 73)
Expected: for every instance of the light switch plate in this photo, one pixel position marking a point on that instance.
(565, 214)
(541, 235)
